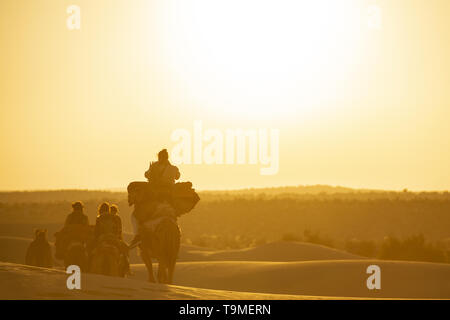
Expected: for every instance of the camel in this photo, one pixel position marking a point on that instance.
(39, 253)
(71, 245)
(156, 214)
(106, 258)
(76, 254)
(161, 242)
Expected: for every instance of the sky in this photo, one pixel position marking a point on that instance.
(356, 90)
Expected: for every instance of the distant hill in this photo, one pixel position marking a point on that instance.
(300, 191)
(59, 195)
(87, 195)
(320, 192)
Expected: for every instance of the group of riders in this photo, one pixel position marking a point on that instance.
(78, 234)
(157, 204)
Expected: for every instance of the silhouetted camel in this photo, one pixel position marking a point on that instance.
(162, 243)
(106, 258)
(159, 232)
(71, 245)
(39, 252)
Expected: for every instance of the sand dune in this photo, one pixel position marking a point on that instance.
(311, 280)
(24, 282)
(14, 248)
(296, 269)
(281, 251)
(345, 278)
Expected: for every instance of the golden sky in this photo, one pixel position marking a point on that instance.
(354, 105)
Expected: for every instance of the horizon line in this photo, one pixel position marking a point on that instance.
(115, 189)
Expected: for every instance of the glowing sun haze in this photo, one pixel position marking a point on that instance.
(251, 57)
(354, 106)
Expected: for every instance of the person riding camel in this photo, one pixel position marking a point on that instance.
(77, 216)
(106, 223)
(114, 210)
(161, 176)
(75, 230)
(158, 203)
(108, 227)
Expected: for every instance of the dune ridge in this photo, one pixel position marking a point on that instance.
(279, 270)
(338, 278)
(281, 251)
(25, 282)
(14, 248)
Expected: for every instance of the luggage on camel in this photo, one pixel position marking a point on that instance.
(184, 198)
(145, 198)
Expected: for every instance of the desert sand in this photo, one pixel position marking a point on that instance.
(338, 278)
(280, 270)
(13, 250)
(25, 282)
(281, 251)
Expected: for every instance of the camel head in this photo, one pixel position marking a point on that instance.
(136, 192)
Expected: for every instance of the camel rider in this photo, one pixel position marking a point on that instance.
(75, 226)
(106, 223)
(109, 226)
(161, 176)
(114, 210)
(77, 216)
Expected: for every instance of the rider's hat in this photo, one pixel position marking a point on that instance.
(78, 205)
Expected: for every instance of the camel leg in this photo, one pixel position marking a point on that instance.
(162, 273)
(114, 267)
(124, 267)
(148, 263)
(159, 274)
(110, 265)
(170, 271)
